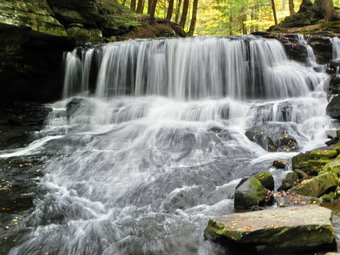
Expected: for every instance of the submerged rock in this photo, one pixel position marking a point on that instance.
(282, 230)
(249, 193)
(273, 137)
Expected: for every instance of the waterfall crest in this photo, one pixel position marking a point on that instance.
(245, 67)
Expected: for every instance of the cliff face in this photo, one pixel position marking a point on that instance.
(35, 33)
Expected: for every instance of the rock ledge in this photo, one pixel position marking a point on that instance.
(288, 229)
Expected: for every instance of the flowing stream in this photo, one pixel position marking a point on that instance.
(154, 143)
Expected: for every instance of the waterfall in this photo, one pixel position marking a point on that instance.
(154, 142)
(239, 67)
(336, 48)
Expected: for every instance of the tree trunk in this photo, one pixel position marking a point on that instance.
(305, 5)
(178, 10)
(326, 8)
(140, 6)
(124, 2)
(184, 13)
(170, 10)
(149, 6)
(283, 5)
(231, 24)
(133, 5)
(274, 11)
(193, 19)
(291, 7)
(152, 11)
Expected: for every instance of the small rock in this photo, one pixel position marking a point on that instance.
(289, 181)
(280, 164)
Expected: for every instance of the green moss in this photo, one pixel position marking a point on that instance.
(316, 186)
(266, 179)
(324, 154)
(288, 182)
(331, 26)
(328, 197)
(33, 14)
(249, 193)
(333, 166)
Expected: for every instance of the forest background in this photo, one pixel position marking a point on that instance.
(220, 17)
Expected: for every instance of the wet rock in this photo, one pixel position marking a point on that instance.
(286, 199)
(266, 179)
(289, 181)
(273, 137)
(249, 193)
(275, 231)
(316, 186)
(280, 164)
(20, 123)
(333, 108)
(312, 162)
(78, 105)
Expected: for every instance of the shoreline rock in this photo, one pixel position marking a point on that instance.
(292, 229)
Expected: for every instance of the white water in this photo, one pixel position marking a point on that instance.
(143, 173)
(336, 48)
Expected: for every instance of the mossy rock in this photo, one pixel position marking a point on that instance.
(249, 193)
(313, 162)
(317, 186)
(266, 179)
(289, 181)
(328, 197)
(333, 167)
(34, 14)
(285, 230)
(337, 147)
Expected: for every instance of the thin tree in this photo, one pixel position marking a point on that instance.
(133, 5)
(274, 11)
(178, 10)
(152, 11)
(140, 6)
(170, 10)
(184, 13)
(291, 7)
(193, 18)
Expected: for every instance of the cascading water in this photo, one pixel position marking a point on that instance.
(336, 53)
(160, 145)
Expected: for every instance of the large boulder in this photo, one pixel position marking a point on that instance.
(333, 108)
(274, 137)
(276, 231)
(249, 193)
(317, 186)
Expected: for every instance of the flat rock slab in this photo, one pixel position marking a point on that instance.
(294, 228)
